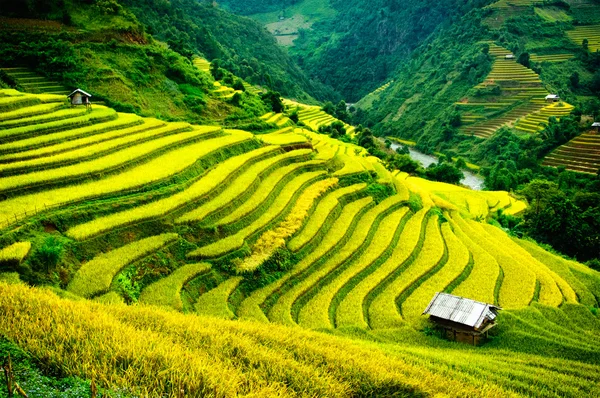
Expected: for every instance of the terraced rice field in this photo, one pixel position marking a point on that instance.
(314, 117)
(287, 232)
(202, 64)
(221, 91)
(515, 3)
(551, 57)
(31, 82)
(520, 102)
(590, 32)
(581, 154)
(535, 122)
(278, 119)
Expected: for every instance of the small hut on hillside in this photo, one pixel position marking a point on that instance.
(596, 125)
(463, 320)
(80, 97)
(550, 98)
(509, 56)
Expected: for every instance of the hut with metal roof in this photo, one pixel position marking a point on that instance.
(80, 97)
(596, 125)
(550, 98)
(464, 320)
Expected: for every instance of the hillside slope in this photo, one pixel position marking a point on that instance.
(290, 227)
(195, 355)
(462, 70)
(359, 46)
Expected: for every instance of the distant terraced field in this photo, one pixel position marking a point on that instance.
(34, 83)
(314, 117)
(581, 154)
(589, 32)
(519, 104)
(291, 227)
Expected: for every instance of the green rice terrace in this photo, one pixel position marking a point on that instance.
(216, 220)
(290, 228)
(314, 117)
(511, 95)
(590, 32)
(581, 154)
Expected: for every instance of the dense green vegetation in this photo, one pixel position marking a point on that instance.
(242, 45)
(364, 42)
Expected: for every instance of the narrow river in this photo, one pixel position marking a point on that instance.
(471, 180)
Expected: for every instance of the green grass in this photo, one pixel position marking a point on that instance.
(481, 282)
(281, 312)
(15, 252)
(96, 276)
(215, 302)
(116, 160)
(564, 268)
(61, 114)
(123, 121)
(518, 283)
(383, 310)
(30, 111)
(119, 147)
(269, 186)
(49, 150)
(553, 289)
(97, 115)
(458, 259)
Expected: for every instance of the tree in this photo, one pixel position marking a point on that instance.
(403, 163)
(524, 59)
(273, 100)
(444, 172)
(215, 69)
(365, 139)
(238, 84)
(402, 150)
(585, 44)
(329, 108)
(574, 80)
(236, 99)
(341, 111)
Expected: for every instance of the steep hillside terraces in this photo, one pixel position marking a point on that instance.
(314, 117)
(591, 33)
(512, 95)
(581, 154)
(290, 227)
(31, 82)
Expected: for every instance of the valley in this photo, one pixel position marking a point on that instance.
(188, 207)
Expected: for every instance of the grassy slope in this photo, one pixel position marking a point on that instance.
(243, 45)
(423, 94)
(240, 357)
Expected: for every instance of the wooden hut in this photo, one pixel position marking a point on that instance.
(463, 320)
(550, 98)
(80, 97)
(509, 56)
(596, 125)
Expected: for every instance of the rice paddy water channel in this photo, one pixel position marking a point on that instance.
(471, 180)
